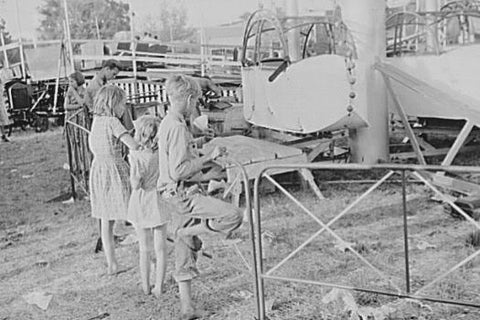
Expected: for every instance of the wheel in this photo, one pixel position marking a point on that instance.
(40, 124)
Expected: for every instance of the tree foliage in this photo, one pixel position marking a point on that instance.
(3, 29)
(88, 19)
(170, 24)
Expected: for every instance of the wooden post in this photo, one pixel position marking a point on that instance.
(69, 36)
(5, 56)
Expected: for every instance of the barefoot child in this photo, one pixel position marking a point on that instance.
(194, 213)
(146, 210)
(109, 176)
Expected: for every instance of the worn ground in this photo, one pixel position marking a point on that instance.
(46, 246)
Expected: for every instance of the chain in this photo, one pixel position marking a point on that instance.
(352, 79)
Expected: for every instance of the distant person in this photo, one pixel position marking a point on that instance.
(109, 174)
(235, 54)
(208, 87)
(194, 212)
(147, 211)
(4, 120)
(75, 96)
(110, 69)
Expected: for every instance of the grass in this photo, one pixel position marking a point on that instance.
(49, 246)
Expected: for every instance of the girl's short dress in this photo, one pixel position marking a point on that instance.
(146, 209)
(109, 173)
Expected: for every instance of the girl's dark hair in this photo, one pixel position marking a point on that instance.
(78, 77)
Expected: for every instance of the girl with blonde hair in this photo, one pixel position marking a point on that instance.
(109, 173)
(147, 211)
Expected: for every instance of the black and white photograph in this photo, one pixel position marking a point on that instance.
(240, 159)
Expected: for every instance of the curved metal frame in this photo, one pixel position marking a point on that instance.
(255, 28)
(401, 19)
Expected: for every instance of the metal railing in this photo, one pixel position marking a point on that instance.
(419, 172)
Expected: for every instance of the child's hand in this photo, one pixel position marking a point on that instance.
(209, 134)
(218, 152)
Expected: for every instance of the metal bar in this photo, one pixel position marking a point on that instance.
(354, 166)
(462, 136)
(69, 150)
(258, 247)
(78, 126)
(446, 273)
(372, 188)
(405, 233)
(386, 293)
(359, 256)
(447, 200)
(403, 116)
(248, 204)
(256, 239)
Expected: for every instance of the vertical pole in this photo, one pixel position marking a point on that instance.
(405, 233)
(366, 21)
(293, 36)
(134, 57)
(5, 56)
(69, 36)
(431, 6)
(259, 266)
(20, 45)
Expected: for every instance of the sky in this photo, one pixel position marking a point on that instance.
(22, 18)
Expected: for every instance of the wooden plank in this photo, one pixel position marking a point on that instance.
(430, 153)
(248, 150)
(404, 118)
(454, 184)
(459, 142)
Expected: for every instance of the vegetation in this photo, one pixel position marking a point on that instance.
(92, 19)
(170, 24)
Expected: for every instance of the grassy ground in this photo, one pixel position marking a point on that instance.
(47, 246)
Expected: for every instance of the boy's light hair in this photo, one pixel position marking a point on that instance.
(107, 98)
(146, 128)
(180, 87)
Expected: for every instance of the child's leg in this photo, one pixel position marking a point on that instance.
(142, 234)
(109, 245)
(160, 243)
(186, 303)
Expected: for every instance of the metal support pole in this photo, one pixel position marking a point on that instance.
(69, 36)
(5, 56)
(405, 232)
(258, 248)
(70, 162)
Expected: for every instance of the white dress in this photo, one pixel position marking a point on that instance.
(109, 185)
(4, 120)
(146, 209)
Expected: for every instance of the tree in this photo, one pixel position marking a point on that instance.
(3, 29)
(170, 25)
(88, 19)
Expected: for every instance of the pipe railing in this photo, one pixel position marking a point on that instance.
(418, 171)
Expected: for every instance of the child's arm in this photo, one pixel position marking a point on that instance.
(121, 133)
(135, 174)
(129, 141)
(77, 97)
(182, 164)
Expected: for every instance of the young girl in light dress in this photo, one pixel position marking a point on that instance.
(109, 173)
(147, 211)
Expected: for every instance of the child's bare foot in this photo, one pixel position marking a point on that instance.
(147, 289)
(112, 269)
(157, 291)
